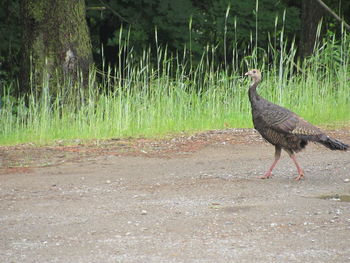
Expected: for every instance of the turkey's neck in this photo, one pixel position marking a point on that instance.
(253, 95)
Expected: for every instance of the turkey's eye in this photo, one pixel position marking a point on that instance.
(254, 71)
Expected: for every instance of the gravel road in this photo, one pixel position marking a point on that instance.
(193, 199)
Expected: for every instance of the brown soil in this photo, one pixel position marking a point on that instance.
(184, 199)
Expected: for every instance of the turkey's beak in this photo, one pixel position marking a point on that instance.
(247, 73)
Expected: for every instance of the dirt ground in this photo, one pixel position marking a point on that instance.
(184, 199)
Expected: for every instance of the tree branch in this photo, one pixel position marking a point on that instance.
(114, 12)
(333, 14)
(99, 8)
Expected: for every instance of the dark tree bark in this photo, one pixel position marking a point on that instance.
(311, 15)
(56, 40)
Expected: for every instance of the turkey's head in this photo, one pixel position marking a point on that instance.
(255, 74)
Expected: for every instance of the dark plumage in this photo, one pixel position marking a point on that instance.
(283, 128)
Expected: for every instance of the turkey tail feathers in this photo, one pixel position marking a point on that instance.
(334, 144)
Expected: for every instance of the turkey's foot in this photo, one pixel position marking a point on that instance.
(300, 176)
(268, 175)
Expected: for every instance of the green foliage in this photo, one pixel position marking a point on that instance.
(209, 24)
(242, 19)
(10, 35)
(248, 24)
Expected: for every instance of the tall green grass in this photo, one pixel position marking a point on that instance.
(172, 95)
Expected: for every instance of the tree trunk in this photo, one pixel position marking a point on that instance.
(311, 15)
(56, 40)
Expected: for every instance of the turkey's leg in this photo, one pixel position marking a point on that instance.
(268, 174)
(300, 171)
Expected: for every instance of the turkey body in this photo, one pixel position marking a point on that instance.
(283, 128)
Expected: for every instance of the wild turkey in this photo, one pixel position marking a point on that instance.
(283, 128)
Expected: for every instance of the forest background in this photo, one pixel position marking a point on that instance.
(102, 69)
